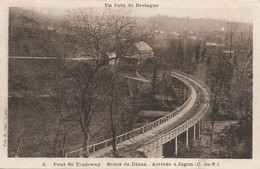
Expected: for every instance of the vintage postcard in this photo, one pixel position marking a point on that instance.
(129, 84)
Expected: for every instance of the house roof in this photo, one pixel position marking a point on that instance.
(111, 55)
(227, 51)
(143, 46)
(175, 33)
(193, 37)
(214, 44)
(158, 31)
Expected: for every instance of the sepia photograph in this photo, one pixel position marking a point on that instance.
(129, 80)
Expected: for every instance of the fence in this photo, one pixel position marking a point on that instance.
(133, 133)
(185, 126)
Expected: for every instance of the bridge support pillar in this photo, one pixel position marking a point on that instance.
(176, 145)
(181, 87)
(187, 138)
(186, 93)
(194, 132)
(202, 127)
(156, 152)
(199, 130)
(183, 92)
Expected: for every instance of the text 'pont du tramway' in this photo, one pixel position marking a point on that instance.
(132, 164)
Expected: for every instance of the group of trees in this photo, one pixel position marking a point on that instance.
(86, 90)
(230, 82)
(182, 53)
(97, 34)
(231, 90)
(91, 90)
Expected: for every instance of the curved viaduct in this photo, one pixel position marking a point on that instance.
(160, 138)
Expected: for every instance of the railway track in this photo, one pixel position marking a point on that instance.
(127, 149)
(192, 107)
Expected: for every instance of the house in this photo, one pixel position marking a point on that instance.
(220, 57)
(175, 34)
(111, 57)
(51, 28)
(213, 47)
(142, 51)
(213, 50)
(227, 56)
(160, 38)
(193, 37)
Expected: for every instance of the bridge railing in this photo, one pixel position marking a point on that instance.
(194, 79)
(133, 133)
(185, 126)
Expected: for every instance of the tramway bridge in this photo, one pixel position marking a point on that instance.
(160, 138)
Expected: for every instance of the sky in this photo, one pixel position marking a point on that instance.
(214, 13)
(238, 11)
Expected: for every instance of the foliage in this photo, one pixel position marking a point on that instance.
(236, 140)
(87, 97)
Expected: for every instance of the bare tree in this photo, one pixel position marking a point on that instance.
(96, 34)
(64, 120)
(232, 28)
(11, 22)
(32, 18)
(113, 108)
(219, 83)
(242, 84)
(123, 38)
(19, 137)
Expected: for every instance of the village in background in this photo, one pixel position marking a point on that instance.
(116, 67)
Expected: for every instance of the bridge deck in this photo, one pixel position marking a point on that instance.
(137, 142)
